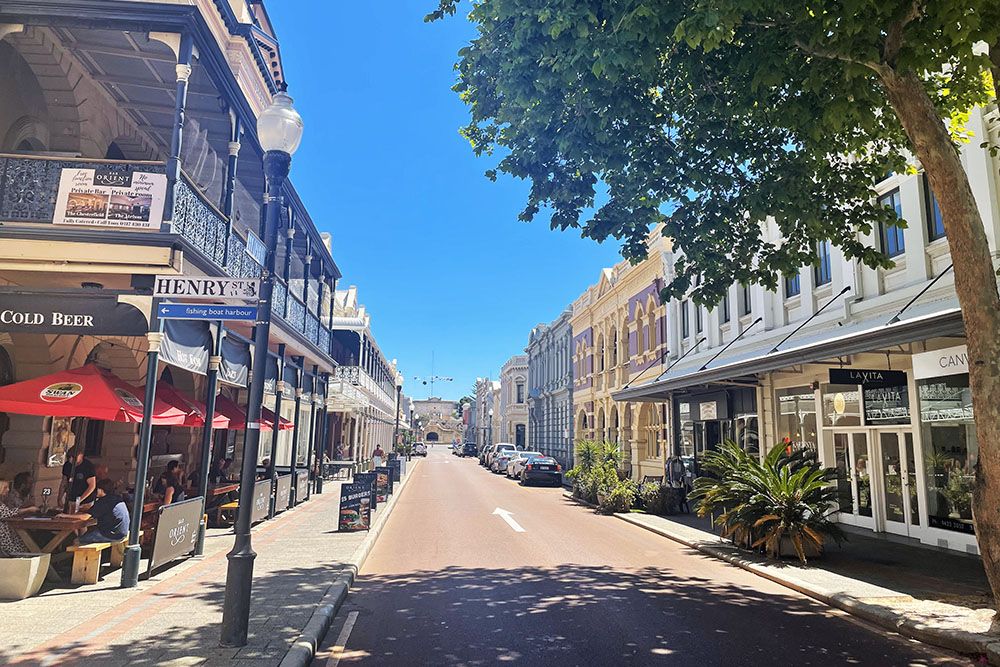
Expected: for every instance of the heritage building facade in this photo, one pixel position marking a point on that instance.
(550, 390)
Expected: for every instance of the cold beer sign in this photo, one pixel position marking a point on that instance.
(201, 287)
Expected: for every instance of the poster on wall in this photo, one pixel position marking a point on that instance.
(368, 479)
(61, 438)
(355, 508)
(110, 196)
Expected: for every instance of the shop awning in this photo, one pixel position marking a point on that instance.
(238, 416)
(88, 391)
(195, 410)
(819, 346)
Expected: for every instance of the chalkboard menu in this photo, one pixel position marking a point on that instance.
(368, 479)
(887, 405)
(176, 531)
(301, 485)
(395, 467)
(283, 489)
(261, 500)
(383, 483)
(355, 508)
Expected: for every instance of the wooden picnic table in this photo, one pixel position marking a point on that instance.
(63, 528)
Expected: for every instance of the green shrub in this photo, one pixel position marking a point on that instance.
(596, 470)
(661, 499)
(620, 498)
(762, 503)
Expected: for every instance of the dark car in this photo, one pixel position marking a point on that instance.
(542, 469)
(469, 449)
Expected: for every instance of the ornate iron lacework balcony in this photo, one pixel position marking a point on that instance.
(29, 187)
(349, 374)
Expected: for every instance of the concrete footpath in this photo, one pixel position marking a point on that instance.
(955, 627)
(301, 574)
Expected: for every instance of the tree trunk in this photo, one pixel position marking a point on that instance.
(976, 285)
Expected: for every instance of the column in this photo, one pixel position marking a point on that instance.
(183, 72)
(286, 270)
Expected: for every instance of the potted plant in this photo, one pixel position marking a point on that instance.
(781, 505)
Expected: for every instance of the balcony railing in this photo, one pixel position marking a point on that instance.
(29, 187)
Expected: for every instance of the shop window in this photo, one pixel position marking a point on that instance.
(893, 243)
(747, 434)
(685, 445)
(822, 272)
(950, 450)
(792, 285)
(886, 405)
(796, 417)
(841, 405)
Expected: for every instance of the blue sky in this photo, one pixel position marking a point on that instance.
(436, 250)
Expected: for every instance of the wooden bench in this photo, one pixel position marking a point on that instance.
(87, 559)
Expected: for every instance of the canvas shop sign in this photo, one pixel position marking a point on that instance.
(110, 196)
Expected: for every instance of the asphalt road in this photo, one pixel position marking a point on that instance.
(452, 583)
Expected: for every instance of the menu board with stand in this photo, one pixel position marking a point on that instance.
(368, 479)
(355, 508)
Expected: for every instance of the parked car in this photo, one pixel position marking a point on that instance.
(541, 469)
(419, 449)
(500, 461)
(482, 454)
(497, 450)
(516, 464)
(469, 449)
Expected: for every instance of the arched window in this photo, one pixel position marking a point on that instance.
(614, 348)
(114, 152)
(600, 353)
(639, 338)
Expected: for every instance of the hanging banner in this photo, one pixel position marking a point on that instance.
(271, 375)
(110, 196)
(187, 344)
(383, 483)
(368, 479)
(235, 366)
(290, 378)
(355, 508)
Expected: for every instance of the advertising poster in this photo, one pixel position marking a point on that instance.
(395, 466)
(355, 508)
(110, 196)
(61, 439)
(368, 479)
(383, 483)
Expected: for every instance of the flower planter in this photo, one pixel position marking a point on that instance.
(21, 575)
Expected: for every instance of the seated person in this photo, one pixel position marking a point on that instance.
(174, 491)
(111, 514)
(10, 542)
(20, 491)
(166, 478)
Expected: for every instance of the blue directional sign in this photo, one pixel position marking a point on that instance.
(206, 311)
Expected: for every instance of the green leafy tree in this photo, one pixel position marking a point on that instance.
(712, 116)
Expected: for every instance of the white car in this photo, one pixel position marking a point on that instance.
(516, 464)
(419, 449)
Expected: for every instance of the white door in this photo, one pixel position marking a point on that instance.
(898, 482)
(854, 483)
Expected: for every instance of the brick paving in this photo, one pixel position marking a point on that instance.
(173, 618)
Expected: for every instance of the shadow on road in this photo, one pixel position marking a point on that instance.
(577, 615)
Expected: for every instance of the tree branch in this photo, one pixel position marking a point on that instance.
(830, 54)
(894, 36)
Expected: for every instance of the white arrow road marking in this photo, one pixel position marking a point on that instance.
(337, 651)
(506, 516)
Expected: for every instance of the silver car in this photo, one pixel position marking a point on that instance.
(517, 463)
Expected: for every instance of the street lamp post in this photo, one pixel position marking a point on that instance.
(395, 431)
(279, 129)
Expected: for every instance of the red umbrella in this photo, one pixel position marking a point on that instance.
(195, 410)
(238, 416)
(88, 391)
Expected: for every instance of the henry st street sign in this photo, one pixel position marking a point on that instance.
(203, 287)
(196, 311)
